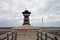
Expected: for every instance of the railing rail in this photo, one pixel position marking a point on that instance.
(8, 35)
(46, 36)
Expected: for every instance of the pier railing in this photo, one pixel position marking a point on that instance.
(46, 36)
(8, 35)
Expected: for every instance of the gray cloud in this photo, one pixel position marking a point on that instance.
(48, 9)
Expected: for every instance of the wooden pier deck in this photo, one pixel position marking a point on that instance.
(37, 35)
(26, 37)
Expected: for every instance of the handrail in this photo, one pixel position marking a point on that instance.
(40, 37)
(8, 35)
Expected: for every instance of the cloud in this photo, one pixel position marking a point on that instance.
(48, 9)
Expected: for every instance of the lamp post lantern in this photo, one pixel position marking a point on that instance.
(26, 15)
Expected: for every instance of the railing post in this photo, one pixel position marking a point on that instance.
(7, 36)
(45, 36)
(41, 35)
(52, 39)
(0, 37)
(55, 38)
(12, 35)
(16, 35)
(38, 35)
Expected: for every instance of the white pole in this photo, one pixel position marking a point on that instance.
(42, 22)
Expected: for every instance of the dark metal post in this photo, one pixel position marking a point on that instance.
(7, 36)
(45, 36)
(55, 38)
(52, 39)
(12, 35)
(16, 35)
(38, 35)
(0, 37)
(41, 35)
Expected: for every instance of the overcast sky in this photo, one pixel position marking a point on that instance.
(11, 12)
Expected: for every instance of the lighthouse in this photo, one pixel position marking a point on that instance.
(26, 15)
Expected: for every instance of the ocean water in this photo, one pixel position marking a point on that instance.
(10, 23)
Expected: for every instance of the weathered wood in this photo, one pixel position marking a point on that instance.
(8, 35)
